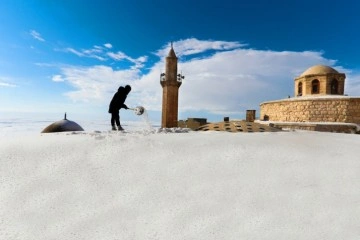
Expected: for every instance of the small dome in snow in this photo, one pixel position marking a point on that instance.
(63, 126)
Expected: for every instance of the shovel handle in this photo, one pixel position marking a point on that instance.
(139, 110)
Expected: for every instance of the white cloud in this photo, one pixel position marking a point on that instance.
(5, 84)
(138, 62)
(96, 83)
(91, 51)
(95, 52)
(78, 53)
(98, 52)
(194, 46)
(97, 57)
(117, 56)
(58, 78)
(229, 80)
(43, 64)
(36, 35)
(352, 84)
(108, 45)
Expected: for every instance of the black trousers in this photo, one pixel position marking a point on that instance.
(115, 118)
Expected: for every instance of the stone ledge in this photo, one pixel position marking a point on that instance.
(317, 126)
(309, 109)
(308, 98)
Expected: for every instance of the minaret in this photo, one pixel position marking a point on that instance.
(170, 81)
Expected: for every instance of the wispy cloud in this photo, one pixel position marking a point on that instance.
(5, 84)
(117, 56)
(108, 45)
(193, 46)
(103, 53)
(36, 35)
(95, 52)
(76, 52)
(138, 62)
(43, 64)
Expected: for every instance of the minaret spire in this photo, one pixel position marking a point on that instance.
(170, 81)
(172, 53)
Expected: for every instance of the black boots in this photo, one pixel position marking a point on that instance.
(119, 128)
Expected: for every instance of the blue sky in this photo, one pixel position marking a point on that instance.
(71, 56)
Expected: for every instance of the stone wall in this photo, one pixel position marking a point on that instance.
(324, 84)
(312, 109)
(192, 123)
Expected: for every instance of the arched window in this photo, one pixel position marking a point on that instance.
(334, 86)
(300, 89)
(315, 86)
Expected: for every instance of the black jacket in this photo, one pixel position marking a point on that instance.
(118, 100)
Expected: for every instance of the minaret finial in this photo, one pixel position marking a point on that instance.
(171, 52)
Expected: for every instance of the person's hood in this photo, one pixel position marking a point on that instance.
(127, 89)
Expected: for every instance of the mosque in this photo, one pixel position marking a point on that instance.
(318, 104)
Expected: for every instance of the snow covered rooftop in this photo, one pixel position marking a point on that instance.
(196, 185)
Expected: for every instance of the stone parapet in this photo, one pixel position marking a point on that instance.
(312, 109)
(320, 127)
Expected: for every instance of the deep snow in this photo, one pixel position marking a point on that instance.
(190, 185)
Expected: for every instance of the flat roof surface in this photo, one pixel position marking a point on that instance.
(237, 126)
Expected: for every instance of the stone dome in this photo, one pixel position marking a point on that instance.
(318, 69)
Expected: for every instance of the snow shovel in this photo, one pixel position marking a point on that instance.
(139, 110)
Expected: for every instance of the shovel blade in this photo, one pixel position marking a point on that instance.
(139, 110)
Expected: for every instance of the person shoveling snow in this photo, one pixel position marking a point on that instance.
(118, 102)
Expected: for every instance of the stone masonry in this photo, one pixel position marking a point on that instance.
(170, 85)
(312, 109)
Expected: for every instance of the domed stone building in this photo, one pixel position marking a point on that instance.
(319, 103)
(320, 80)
